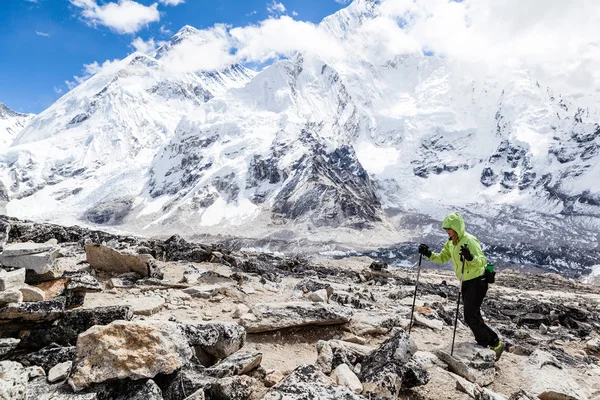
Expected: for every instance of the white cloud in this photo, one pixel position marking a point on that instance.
(165, 31)
(283, 36)
(146, 46)
(57, 90)
(342, 1)
(42, 34)
(251, 13)
(275, 8)
(207, 50)
(92, 69)
(172, 2)
(126, 16)
(294, 14)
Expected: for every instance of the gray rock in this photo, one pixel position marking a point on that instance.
(473, 362)
(277, 316)
(7, 345)
(391, 367)
(48, 357)
(197, 395)
(203, 292)
(592, 346)
(10, 296)
(307, 382)
(40, 263)
(12, 279)
(71, 324)
(59, 372)
(145, 350)
(218, 339)
(235, 388)
(13, 381)
(434, 324)
(548, 379)
(15, 317)
(336, 352)
(23, 249)
(239, 363)
(146, 305)
(320, 296)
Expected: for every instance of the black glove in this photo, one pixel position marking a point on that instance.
(465, 253)
(424, 249)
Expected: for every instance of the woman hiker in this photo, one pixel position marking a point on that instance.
(461, 245)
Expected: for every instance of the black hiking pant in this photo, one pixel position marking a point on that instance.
(473, 293)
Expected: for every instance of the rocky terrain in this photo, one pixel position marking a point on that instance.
(90, 315)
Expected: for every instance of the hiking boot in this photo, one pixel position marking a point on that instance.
(498, 349)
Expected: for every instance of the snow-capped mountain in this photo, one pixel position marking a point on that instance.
(355, 149)
(11, 123)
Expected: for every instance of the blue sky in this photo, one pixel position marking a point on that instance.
(44, 43)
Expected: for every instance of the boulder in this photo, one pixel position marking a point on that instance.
(307, 382)
(12, 279)
(218, 339)
(10, 296)
(276, 316)
(40, 262)
(103, 258)
(235, 387)
(71, 324)
(369, 323)
(471, 361)
(13, 381)
(391, 367)
(549, 380)
(125, 349)
(17, 316)
(343, 376)
(59, 372)
(32, 294)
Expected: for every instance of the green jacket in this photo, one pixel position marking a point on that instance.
(473, 269)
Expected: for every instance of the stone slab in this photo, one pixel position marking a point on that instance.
(40, 263)
(12, 279)
(23, 249)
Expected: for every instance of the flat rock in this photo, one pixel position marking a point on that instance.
(23, 249)
(239, 363)
(31, 293)
(434, 324)
(204, 291)
(103, 258)
(473, 362)
(125, 349)
(12, 279)
(59, 372)
(277, 316)
(40, 263)
(146, 305)
(53, 288)
(307, 382)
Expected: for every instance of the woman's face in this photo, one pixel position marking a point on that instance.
(451, 234)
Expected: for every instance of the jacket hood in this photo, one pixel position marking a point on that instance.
(455, 222)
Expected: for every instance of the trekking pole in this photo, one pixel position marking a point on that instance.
(458, 304)
(415, 295)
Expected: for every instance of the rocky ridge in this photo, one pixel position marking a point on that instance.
(119, 317)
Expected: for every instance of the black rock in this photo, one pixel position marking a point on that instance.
(48, 357)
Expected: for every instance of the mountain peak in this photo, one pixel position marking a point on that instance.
(350, 18)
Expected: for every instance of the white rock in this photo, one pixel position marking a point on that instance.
(59, 372)
(344, 376)
(475, 363)
(240, 310)
(10, 296)
(40, 263)
(35, 372)
(146, 305)
(319, 296)
(548, 379)
(23, 249)
(13, 381)
(32, 294)
(434, 324)
(12, 279)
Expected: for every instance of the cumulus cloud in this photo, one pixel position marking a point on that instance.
(146, 46)
(275, 8)
(126, 16)
(557, 41)
(92, 69)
